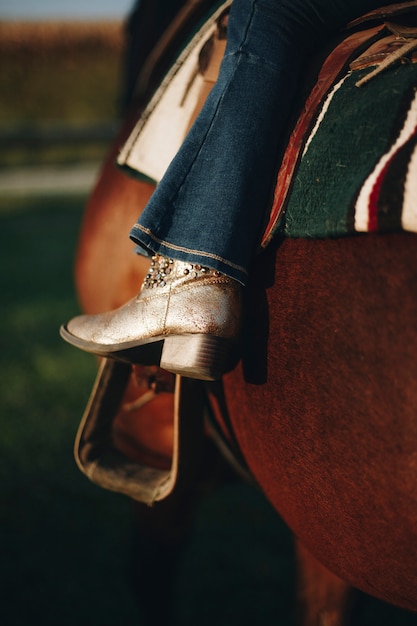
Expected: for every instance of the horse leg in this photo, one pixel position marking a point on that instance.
(323, 598)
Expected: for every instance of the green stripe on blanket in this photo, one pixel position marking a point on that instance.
(360, 125)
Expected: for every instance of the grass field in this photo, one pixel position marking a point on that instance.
(60, 563)
(65, 544)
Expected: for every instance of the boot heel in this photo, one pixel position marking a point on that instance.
(205, 357)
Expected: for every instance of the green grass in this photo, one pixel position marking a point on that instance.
(64, 542)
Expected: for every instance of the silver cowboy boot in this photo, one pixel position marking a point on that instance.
(186, 319)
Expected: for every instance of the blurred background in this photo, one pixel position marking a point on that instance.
(64, 544)
(70, 552)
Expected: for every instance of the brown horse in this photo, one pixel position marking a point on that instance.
(323, 403)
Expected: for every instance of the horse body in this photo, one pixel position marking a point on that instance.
(323, 403)
(330, 433)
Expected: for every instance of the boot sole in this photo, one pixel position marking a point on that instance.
(200, 356)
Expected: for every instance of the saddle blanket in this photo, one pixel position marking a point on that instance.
(162, 126)
(358, 169)
(354, 166)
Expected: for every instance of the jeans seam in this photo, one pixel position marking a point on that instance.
(208, 255)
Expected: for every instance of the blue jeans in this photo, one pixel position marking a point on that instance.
(211, 204)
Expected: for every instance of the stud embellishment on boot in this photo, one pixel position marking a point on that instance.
(186, 319)
(161, 268)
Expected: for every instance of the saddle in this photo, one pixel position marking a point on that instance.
(381, 39)
(328, 135)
